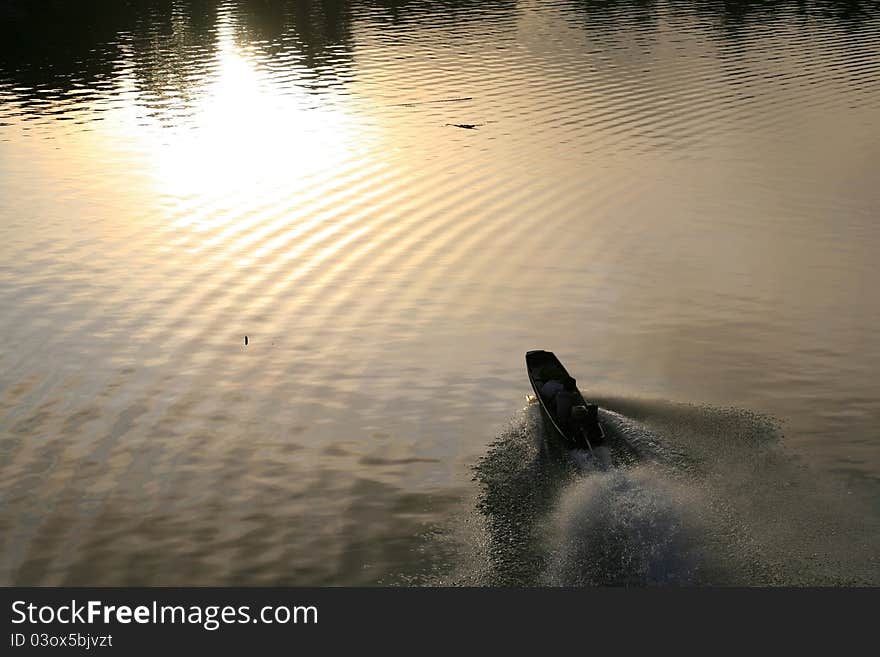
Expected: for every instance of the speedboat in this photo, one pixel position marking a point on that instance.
(583, 429)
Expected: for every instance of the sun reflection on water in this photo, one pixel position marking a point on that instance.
(247, 142)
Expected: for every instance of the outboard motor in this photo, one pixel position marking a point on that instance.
(592, 413)
(585, 418)
(585, 415)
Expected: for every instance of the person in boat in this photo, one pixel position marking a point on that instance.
(583, 418)
(550, 388)
(564, 401)
(559, 396)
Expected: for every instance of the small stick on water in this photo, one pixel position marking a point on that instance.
(466, 126)
(245, 341)
(426, 102)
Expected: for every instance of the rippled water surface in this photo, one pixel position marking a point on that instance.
(394, 201)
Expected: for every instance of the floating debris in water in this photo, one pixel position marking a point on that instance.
(466, 126)
(245, 341)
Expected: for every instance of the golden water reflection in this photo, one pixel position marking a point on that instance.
(643, 192)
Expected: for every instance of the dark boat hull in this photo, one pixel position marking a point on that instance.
(544, 365)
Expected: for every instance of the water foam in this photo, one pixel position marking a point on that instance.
(714, 498)
(622, 528)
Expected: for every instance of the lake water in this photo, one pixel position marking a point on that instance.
(394, 201)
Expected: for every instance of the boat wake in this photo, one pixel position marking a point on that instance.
(622, 528)
(709, 497)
